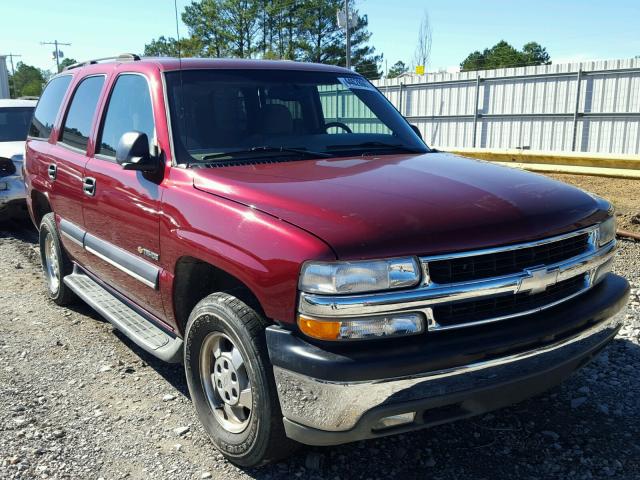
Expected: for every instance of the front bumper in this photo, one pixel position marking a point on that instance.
(332, 395)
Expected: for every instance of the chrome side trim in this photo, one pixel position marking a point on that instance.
(425, 297)
(72, 231)
(124, 261)
(132, 265)
(337, 406)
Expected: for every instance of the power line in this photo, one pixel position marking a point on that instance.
(57, 53)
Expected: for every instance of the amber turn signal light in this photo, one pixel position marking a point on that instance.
(381, 326)
(320, 329)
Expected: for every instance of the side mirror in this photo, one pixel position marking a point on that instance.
(133, 153)
(416, 131)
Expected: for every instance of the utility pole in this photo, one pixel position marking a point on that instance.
(13, 70)
(347, 26)
(57, 53)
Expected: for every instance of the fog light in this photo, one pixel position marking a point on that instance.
(394, 420)
(4, 186)
(383, 326)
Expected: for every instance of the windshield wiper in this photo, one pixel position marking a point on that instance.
(266, 150)
(376, 145)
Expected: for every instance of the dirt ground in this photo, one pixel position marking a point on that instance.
(623, 193)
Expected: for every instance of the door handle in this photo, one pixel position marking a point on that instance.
(52, 170)
(89, 186)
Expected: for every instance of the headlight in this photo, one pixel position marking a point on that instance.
(360, 276)
(380, 326)
(607, 231)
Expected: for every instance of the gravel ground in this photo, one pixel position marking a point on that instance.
(77, 400)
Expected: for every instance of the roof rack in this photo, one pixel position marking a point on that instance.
(123, 57)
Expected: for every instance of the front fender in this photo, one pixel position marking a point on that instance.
(263, 252)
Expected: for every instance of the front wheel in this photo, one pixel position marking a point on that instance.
(55, 262)
(231, 383)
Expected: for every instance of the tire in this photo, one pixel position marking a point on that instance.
(251, 437)
(55, 262)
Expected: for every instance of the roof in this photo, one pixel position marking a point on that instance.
(4, 103)
(171, 63)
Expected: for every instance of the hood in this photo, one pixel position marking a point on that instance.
(9, 149)
(367, 207)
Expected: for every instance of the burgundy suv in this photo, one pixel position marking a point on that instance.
(324, 276)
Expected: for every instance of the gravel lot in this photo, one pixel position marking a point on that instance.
(77, 400)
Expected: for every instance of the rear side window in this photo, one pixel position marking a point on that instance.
(48, 106)
(77, 124)
(129, 109)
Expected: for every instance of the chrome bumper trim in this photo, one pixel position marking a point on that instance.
(423, 298)
(335, 406)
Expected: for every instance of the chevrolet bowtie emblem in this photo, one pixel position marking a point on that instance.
(537, 280)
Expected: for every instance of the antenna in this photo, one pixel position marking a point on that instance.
(182, 119)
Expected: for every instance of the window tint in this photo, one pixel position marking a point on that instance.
(48, 106)
(129, 109)
(77, 125)
(14, 122)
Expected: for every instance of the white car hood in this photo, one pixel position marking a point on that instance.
(9, 149)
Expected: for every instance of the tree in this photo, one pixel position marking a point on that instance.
(536, 54)
(27, 81)
(422, 54)
(320, 35)
(397, 69)
(67, 62)
(364, 59)
(170, 47)
(304, 30)
(503, 55)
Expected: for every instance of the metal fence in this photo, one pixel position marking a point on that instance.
(584, 107)
(4, 78)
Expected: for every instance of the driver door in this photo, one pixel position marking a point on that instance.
(121, 211)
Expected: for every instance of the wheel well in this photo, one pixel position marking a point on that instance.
(40, 206)
(195, 279)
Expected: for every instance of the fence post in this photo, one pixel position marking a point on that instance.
(401, 100)
(576, 111)
(475, 111)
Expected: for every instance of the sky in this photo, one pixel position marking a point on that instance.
(571, 30)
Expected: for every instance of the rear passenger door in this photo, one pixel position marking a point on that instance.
(121, 216)
(68, 157)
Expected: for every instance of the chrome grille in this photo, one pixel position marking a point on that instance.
(473, 311)
(464, 269)
(519, 280)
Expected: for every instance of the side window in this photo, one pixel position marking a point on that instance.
(77, 124)
(129, 109)
(48, 106)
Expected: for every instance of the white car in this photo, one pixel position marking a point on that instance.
(15, 117)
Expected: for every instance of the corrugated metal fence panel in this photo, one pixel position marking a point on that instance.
(528, 107)
(4, 78)
(339, 104)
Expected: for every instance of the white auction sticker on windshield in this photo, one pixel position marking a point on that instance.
(356, 83)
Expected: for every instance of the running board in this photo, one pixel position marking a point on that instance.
(141, 331)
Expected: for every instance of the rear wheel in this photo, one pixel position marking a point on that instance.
(55, 262)
(231, 382)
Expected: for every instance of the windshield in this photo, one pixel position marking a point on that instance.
(14, 123)
(222, 114)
